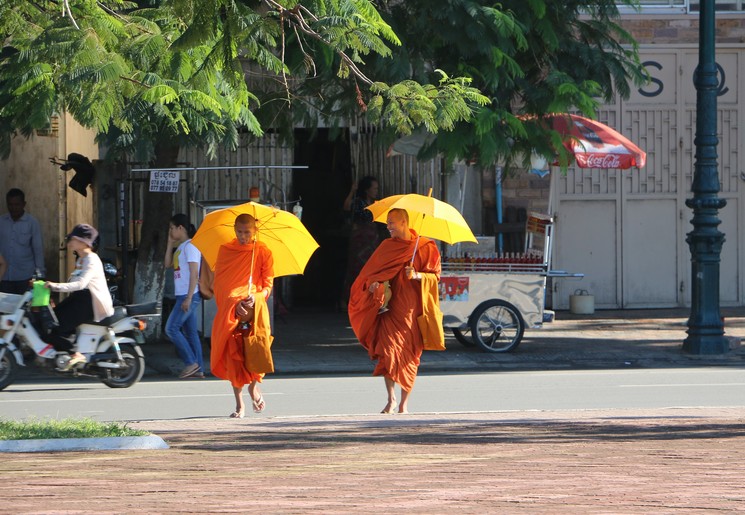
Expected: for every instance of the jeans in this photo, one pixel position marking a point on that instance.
(181, 328)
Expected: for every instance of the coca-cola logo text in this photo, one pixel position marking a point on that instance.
(600, 160)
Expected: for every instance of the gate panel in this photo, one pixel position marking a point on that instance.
(650, 274)
(729, 284)
(586, 230)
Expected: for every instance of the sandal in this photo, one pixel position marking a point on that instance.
(390, 408)
(75, 360)
(236, 414)
(259, 404)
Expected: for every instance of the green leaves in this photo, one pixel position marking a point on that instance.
(195, 72)
(526, 56)
(408, 104)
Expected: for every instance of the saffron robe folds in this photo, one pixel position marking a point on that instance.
(394, 338)
(232, 273)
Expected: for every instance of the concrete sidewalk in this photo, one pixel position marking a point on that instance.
(320, 342)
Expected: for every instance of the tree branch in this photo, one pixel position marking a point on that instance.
(307, 30)
(66, 9)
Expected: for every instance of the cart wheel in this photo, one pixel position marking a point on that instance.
(497, 326)
(464, 337)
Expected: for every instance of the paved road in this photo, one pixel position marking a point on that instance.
(363, 395)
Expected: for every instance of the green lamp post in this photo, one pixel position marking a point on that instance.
(705, 326)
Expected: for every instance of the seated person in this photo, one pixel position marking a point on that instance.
(90, 299)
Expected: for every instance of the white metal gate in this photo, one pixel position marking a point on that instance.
(626, 229)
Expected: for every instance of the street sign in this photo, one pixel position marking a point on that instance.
(164, 182)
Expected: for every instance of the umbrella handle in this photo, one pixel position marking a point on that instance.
(416, 246)
(418, 235)
(253, 259)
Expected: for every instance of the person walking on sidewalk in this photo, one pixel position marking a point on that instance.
(243, 280)
(181, 326)
(392, 335)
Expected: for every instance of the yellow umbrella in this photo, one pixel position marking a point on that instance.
(285, 235)
(428, 216)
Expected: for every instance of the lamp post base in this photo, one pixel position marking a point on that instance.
(705, 344)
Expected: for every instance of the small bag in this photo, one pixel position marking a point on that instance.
(257, 353)
(433, 337)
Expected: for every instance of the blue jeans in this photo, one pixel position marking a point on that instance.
(181, 328)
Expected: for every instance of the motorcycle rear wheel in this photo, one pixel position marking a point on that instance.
(129, 375)
(8, 369)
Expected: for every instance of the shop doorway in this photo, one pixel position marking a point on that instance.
(323, 188)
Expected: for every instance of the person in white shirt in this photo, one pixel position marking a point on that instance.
(181, 327)
(89, 299)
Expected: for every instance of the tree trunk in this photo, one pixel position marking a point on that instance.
(157, 211)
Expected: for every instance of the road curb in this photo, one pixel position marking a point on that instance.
(113, 443)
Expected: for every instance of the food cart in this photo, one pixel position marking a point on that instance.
(489, 299)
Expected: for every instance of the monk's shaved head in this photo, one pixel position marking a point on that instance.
(398, 224)
(400, 214)
(245, 228)
(245, 219)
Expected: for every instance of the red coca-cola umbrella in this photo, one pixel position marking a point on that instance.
(594, 144)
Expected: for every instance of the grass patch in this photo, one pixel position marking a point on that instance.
(66, 428)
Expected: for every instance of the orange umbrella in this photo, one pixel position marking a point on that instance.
(285, 235)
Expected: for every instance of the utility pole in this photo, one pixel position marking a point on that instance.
(705, 326)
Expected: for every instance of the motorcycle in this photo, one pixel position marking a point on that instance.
(111, 346)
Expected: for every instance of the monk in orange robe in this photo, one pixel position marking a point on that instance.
(393, 337)
(237, 303)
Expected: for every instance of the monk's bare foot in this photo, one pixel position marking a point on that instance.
(390, 408)
(403, 411)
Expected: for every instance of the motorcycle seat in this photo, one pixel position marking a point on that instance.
(119, 313)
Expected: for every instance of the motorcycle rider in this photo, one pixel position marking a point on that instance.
(89, 298)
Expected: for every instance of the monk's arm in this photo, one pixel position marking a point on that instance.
(430, 264)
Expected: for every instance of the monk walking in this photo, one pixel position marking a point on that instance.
(239, 261)
(394, 336)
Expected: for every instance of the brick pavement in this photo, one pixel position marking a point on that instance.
(629, 461)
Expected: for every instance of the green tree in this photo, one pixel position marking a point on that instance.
(151, 76)
(530, 57)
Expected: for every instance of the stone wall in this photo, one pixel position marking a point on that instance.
(682, 29)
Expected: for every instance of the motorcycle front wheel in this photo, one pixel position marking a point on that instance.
(128, 375)
(8, 368)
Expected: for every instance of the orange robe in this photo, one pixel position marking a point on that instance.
(393, 338)
(232, 272)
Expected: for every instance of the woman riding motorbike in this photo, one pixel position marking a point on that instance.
(89, 299)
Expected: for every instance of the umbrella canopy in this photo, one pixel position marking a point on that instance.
(428, 216)
(594, 144)
(285, 235)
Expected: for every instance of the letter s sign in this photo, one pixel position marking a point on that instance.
(653, 80)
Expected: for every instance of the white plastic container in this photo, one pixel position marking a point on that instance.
(582, 303)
